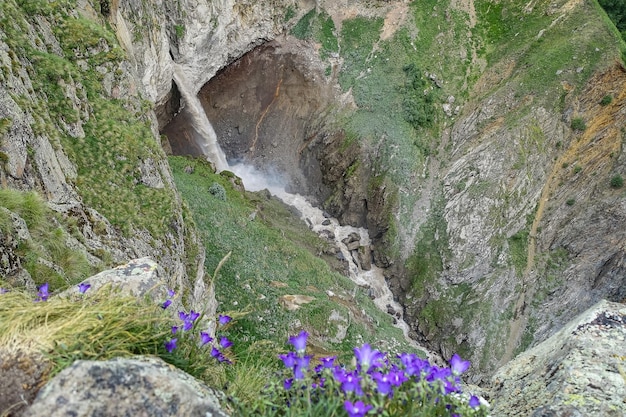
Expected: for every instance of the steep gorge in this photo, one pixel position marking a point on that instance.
(491, 270)
(496, 223)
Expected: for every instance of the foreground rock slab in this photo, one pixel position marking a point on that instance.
(125, 387)
(579, 371)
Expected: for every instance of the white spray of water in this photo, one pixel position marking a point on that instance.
(373, 279)
(206, 138)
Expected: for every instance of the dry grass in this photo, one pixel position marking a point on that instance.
(102, 325)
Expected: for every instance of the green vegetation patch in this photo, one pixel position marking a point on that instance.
(617, 181)
(319, 27)
(518, 249)
(546, 45)
(47, 243)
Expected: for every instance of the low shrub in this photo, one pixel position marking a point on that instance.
(217, 191)
(578, 124)
(617, 181)
(606, 100)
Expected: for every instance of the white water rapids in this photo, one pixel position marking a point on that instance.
(372, 279)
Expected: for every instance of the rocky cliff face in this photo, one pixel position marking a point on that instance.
(202, 36)
(77, 129)
(528, 229)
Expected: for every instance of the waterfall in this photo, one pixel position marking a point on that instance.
(205, 137)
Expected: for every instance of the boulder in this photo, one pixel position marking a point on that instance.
(142, 386)
(579, 371)
(293, 302)
(139, 278)
(365, 257)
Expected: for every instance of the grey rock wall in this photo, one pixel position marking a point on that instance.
(203, 36)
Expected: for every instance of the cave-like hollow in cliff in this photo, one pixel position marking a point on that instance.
(268, 109)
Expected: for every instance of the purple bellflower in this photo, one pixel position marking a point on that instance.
(83, 287)
(299, 342)
(205, 338)
(474, 402)
(287, 383)
(458, 365)
(328, 362)
(367, 357)
(215, 352)
(43, 294)
(171, 293)
(171, 345)
(350, 381)
(302, 364)
(223, 319)
(383, 383)
(397, 378)
(193, 315)
(166, 304)
(225, 343)
(357, 409)
(289, 359)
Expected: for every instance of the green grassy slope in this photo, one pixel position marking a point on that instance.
(273, 254)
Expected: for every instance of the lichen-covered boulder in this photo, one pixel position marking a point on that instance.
(139, 278)
(579, 371)
(125, 387)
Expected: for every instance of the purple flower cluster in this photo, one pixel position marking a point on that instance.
(376, 380)
(186, 330)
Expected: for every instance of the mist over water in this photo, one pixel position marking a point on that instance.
(255, 180)
(205, 134)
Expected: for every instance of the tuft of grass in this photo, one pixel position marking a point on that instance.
(518, 246)
(617, 181)
(578, 124)
(47, 244)
(180, 31)
(606, 100)
(247, 377)
(5, 125)
(101, 326)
